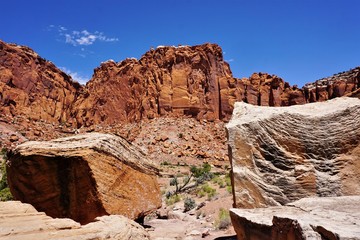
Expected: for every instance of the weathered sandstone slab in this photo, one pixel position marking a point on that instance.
(332, 218)
(282, 154)
(20, 221)
(83, 177)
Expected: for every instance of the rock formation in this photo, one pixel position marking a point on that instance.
(83, 177)
(167, 80)
(309, 218)
(193, 81)
(282, 154)
(21, 221)
(33, 86)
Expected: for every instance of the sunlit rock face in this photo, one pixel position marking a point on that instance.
(281, 154)
(191, 81)
(23, 221)
(33, 86)
(309, 218)
(181, 80)
(84, 176)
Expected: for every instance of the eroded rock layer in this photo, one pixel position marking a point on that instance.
(21, 221)
(309, 218)
(279, 155)
(83, 177)
(33, 86)
(166, 80)
(185, 80)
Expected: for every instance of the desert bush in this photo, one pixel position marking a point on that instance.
(219, 181)
(189, 204)
(5, 194)
(206, 189)
(197, 174)
(223, 220)
(173, 199)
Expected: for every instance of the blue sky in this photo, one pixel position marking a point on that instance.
(300, 41)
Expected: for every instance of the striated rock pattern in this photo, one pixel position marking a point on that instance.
(279, 155)
(21, 221)
(309, 218)
(83, 177)
(33, 86)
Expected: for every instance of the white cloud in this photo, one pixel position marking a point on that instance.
(75, 75)
(82, 37)
(230, 60)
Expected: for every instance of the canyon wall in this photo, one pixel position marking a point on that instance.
(33, 86)
(186, 80)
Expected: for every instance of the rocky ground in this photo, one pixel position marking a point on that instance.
(175, 144)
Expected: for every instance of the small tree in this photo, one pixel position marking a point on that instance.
(198, 174)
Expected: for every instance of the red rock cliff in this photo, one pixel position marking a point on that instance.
(32, 86)
(166, 80)
(194, 81)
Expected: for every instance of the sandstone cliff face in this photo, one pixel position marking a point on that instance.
(83, 177)
(283, 154)
(166, 80)
(193, 81)
(309, 218)
(21, 221)
(32, 86)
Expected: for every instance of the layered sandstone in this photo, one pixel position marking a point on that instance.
(279, 155)
(337, 85)
(167, 80)
(33, 86)
(186, 80)
(21, 221)
(83, 177)
(309, 218)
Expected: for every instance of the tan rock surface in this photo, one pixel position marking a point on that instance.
(333, 218)
(84, 176)
(279, 155)
(20, 221)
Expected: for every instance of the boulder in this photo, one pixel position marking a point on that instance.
(332, 218)
(83, 177)
(281, 154)
(22, 221)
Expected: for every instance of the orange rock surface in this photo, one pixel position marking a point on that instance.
(83, 177)
(186, 80)
(33, 86)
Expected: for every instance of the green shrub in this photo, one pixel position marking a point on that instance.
(189, 204)
(206, 188)
(5, 194)
(219, 181)
(223, 221)
(173, 199)
(200, 171)
(165, 163)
